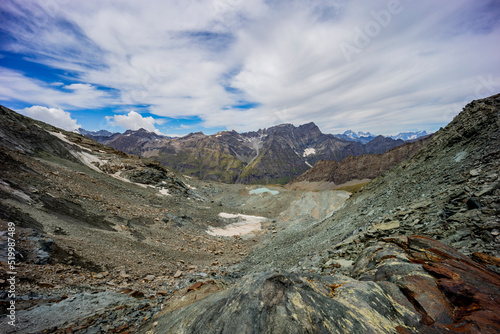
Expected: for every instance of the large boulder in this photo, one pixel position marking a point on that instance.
(276, 302)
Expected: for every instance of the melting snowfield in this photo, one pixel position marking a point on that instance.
(246, 225)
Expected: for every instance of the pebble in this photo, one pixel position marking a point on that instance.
(475, 172)
(149, 278)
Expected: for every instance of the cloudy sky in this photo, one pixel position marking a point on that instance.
(176, 67)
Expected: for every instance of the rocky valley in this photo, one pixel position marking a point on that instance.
(148, 242)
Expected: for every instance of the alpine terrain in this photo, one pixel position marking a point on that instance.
(269, 156)
(124, 239)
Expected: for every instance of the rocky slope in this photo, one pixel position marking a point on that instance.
(268, 156)
(366, 166)
(448, 190)
(360, 269)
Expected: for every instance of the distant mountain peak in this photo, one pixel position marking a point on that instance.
(358, 134)
(409, 135)
(100, 133)
(365, 137)
(310, 124)
(194, 135)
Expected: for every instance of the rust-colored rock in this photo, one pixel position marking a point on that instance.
(484, 258)
(451, 292)
(471, 289)
(195, 286)
(137, 294)
(425, 296)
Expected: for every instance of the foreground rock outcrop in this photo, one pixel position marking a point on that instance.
(400, 285)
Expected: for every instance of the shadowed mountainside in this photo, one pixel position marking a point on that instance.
(366, 166)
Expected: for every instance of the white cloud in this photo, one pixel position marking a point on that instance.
(16, 86)
(134, 121)
(56, 117)
(412, 68)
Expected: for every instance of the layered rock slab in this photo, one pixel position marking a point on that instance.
(399, 285)
(276, 302)
(450, 291)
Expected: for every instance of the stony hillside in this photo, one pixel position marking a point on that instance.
(448, 190)
(269, 156)
(331, 174)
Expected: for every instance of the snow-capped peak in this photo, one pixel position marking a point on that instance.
(356, 135)
(409, 135)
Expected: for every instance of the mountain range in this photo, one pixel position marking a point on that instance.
(365, 137)
(409, 135)
(274, 155)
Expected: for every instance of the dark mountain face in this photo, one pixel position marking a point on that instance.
(131, 141)
(273, 155)
(366, 166)
(381, 144)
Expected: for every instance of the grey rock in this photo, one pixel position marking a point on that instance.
(43, 317)
(290, 303)
(473, 203)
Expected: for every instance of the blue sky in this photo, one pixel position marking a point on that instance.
(177, 67)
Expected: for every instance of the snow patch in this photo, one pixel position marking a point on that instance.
(88, 159)
(309, 151)
(164, 191)
(308, 164)
(246, 225)
(60, 136)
